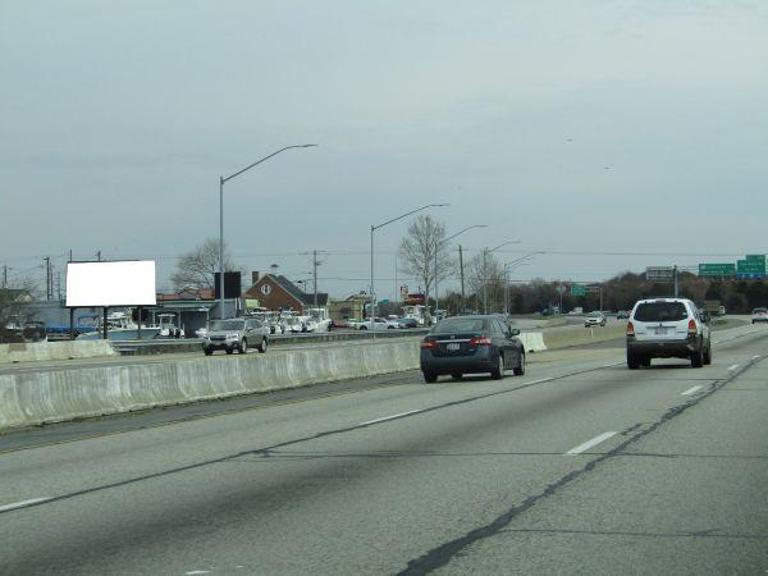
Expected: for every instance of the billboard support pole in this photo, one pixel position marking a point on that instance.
(105, 311)
(71, 323)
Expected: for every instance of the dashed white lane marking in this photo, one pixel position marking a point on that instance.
(22, 504)
(732, 368)
(541, 381)
(690, 391)
(410, 412)
(590, 443)
(196, 572)
(756, 356)
(385, 418)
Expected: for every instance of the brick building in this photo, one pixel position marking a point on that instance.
(276, 292)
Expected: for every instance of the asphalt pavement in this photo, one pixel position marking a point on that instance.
(579, 467)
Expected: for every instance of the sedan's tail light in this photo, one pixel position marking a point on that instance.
(630, 329)
(428, 344)
(480, 341)
(691, 326)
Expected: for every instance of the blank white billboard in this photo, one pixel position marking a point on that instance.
(128, 283)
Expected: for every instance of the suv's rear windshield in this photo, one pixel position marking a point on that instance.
(459, 325)
(661, 312)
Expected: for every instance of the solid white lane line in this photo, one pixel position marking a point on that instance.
(385, 418)
(22, 504)
(590, 443)
(690, 391)
(732, 368)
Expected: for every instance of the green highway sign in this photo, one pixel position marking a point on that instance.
(755, 258)
(578, 290)
(717, 270)
(750, 266)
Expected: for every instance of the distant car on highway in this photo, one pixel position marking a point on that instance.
(759, 315)
(622, 315)
(667, 328)
(236, 334)
(471, 344)
(595, 319)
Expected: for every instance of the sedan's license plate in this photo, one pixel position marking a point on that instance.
(453, 346)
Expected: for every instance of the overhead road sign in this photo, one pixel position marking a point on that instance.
(578, 290)
(750, 266)
(660, 273)
(723, 270)
(750, 275)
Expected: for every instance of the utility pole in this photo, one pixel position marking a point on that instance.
(98, 256)
(485, 280)
(677, 283)
(314, 274)
(461, 272)
(47, 262)
(5, 276)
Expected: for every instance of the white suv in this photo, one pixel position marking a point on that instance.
(667, 328)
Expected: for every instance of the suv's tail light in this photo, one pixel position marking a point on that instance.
(630, 329)
(480, 341)
(428, 344)
(691, 326)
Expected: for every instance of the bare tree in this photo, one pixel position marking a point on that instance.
(486, 281)
(417, 252)
(195, 270)
(12, 310)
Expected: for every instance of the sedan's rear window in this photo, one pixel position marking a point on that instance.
(459, 325)
(661, 312)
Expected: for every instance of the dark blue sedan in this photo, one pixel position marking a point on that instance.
(471, 344)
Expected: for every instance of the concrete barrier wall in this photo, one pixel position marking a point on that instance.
(562, 338)
(533, 341)
(41, 351)
(33, 398)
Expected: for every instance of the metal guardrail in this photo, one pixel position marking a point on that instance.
(148, 347)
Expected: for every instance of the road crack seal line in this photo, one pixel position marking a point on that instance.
(442, 555)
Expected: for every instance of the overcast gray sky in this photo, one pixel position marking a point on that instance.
(581, 128)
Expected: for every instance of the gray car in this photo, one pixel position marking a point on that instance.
(236, 334)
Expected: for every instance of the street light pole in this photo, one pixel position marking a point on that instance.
(487, 251)
(522, 261)
(373, 229)
(222, 180)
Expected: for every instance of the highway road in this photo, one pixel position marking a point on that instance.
(579, 467)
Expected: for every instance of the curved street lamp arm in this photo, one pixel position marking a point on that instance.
(459, 233)
(408, 214)
(265, 159)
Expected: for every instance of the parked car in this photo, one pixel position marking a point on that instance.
(378, 324)
(471, 344)
(667, 328)
(622, 315)
(595, 319)
(236, 334)
(407, 323)
(759, 315)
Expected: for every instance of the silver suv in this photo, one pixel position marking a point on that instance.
(667, 328)
(236, 334)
